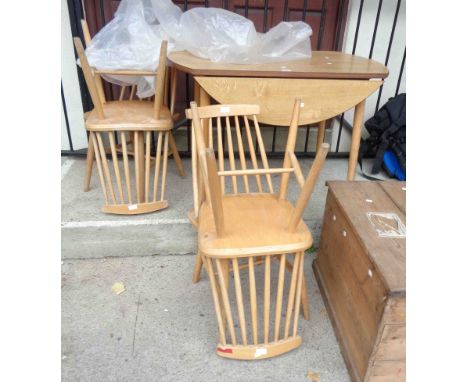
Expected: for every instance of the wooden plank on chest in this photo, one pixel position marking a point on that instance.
(397, 192)
(388, 371)
(392, 344)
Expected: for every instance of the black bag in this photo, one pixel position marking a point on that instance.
(387, 129)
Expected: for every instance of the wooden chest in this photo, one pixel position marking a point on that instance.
(360, 269)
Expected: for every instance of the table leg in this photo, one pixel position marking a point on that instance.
(202, 99)
(355, 139)
(320, 134)
(175, 155)
(173, 90)
(196, 92)
(196, 172)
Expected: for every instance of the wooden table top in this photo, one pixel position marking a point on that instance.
(322, 64)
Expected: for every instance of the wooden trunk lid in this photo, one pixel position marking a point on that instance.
(362, 202)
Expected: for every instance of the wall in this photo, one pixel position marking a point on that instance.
(71, 90)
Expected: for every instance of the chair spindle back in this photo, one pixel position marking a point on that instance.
(128, 191)
(271, 328)
(227, 127)
(206, 157)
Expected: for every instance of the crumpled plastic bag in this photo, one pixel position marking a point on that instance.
(223, 36)
(132, 39)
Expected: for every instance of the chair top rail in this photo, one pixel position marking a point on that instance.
(214, 111)
(125, 72)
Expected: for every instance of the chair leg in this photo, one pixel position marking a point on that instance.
(198, 267)
(226, 273)
(89, 165)
(175, 154)
(305, 299)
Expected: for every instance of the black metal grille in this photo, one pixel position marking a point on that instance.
(342, 122)
(76, 13)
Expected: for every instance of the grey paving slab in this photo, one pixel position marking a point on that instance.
(163, 327)
(89, 233)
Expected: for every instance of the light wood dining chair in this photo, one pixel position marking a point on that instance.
(215, 122)
(216, 126)
(136, 120)
(245, 229)
(170, 82)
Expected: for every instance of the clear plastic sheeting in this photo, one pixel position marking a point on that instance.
(223, 36)
(132, 39)
(387, 224)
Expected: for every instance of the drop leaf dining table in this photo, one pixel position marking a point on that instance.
(328, 83)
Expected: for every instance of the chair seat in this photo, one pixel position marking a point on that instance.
(129, 115)
(254, 224)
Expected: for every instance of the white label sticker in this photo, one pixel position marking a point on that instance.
(302, 104)
(259, 352)
(225, 109)
(369, 200)
(132, 207)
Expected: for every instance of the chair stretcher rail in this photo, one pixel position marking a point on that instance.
(259, 171)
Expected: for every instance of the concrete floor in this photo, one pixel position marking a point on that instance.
(163, 327)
